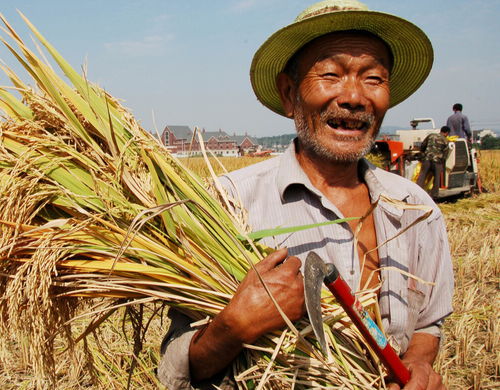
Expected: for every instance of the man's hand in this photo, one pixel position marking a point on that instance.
(249, 314)
(423, 377)
(419, 358)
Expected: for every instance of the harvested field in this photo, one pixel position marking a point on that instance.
(470, 357)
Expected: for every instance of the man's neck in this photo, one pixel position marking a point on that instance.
(327, 175)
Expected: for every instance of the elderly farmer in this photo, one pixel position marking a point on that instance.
(335, 71)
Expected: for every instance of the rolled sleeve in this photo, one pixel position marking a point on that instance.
(434, 330)
(173, 370)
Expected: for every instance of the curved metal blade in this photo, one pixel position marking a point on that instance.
(314, 274)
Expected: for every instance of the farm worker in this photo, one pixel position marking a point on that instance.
(434, 149)
(459, 123)
(335, 71)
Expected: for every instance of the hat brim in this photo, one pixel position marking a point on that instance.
(411, 49)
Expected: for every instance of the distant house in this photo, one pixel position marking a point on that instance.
(478, 135)
(246, 143)
(177, 138)
(180, 140)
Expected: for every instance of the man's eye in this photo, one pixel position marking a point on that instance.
(330, 74)
(374, 80)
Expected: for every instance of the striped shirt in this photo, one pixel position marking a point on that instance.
(277, 192)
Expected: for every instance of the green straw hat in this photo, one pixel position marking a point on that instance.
(411, 49)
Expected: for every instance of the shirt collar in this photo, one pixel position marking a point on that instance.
(378, 186)
(290, 172)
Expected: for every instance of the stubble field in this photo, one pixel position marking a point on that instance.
(470, 355)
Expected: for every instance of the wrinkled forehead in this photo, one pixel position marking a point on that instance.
(356, 43)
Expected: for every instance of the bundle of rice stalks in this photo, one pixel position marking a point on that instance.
(94, 206)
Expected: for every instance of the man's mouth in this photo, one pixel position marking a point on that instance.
(347, 124)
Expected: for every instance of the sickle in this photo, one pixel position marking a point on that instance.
(317, 272)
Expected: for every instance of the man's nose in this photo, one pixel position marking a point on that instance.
(351, 96)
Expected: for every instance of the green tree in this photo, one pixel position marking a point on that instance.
(489, 142)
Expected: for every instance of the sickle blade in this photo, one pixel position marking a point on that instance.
(314, 273)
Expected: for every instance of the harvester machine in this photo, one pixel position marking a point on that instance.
(401, 155)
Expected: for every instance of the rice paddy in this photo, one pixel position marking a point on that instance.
(61, 151)
(469, 357)
(95, 208)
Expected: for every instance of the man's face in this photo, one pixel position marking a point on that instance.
(341, 97)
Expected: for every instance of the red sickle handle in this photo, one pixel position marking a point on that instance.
(370, 331)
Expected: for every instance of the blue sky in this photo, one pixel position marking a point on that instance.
(186, 62)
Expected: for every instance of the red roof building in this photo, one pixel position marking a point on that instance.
(180, 140)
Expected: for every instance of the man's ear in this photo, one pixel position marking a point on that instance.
(287, 90)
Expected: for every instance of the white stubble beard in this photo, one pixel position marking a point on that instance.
(309, 140)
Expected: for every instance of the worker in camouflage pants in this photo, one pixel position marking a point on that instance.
(434, 149)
